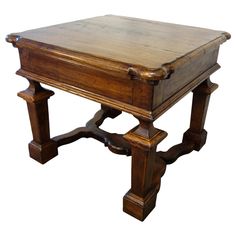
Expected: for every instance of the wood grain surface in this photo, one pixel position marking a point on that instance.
(134, 42)
(126, 64)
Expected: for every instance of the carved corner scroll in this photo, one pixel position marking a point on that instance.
(13, 39)
(151, 75)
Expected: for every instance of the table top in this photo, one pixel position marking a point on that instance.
(135, 42)
(119, 61)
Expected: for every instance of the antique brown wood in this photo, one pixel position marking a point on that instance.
(137, 66)
(42, 148)
(115, 142)
(145, 180)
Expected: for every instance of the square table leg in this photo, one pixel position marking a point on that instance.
(42, 148)
(201, 97)
(147, 169)
(148, 165)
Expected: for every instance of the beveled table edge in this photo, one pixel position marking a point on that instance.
(118, 68)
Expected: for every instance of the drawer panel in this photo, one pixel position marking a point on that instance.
(72, 73)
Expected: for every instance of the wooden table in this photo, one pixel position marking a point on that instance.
(137, 66)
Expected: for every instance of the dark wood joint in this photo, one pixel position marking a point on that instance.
(139, 137)
(206, 87)
(198, 139)
(110, 112)
(35, 93)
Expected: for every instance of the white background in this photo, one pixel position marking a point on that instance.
(80, 191)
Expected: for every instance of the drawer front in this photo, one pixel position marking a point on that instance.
(184, 76)
(77, 75)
